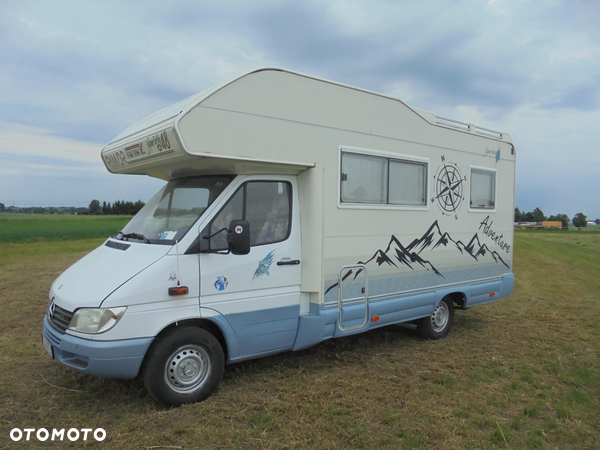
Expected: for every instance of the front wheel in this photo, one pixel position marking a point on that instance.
(184, 366)
(438, 325)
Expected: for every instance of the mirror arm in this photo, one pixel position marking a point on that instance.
(215, 252)
(214, 234)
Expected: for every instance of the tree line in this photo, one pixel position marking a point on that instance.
(537, 215)
(43, 209)
(121, 208)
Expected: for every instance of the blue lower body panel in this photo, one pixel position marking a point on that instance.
(115, 359)
(322, 322)
(480, 293)
(265, 331)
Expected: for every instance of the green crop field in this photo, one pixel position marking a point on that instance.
(50, 227)
(521, 373)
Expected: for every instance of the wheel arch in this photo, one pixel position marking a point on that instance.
(184, 364)
(205, 324)
(459, 298)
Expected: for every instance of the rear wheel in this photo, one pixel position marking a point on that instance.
(438, 325)
(184, 366)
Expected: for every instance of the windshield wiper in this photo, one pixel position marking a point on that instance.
(138, 236)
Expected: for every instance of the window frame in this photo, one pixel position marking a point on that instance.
(398, 157)
(243, 187)
(480, 169)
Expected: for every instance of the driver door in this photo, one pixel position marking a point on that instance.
(259, 293)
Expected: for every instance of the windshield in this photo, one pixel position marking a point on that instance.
(174, 209)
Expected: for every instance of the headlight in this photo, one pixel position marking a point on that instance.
(96, 320)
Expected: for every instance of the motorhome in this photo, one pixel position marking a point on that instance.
(295, 210)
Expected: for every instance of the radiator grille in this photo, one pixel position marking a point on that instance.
(60, 318)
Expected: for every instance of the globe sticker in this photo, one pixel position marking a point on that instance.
(239, 229)
(221, 283)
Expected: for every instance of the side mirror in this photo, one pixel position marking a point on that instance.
(238, 237)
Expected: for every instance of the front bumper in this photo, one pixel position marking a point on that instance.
(114, 359)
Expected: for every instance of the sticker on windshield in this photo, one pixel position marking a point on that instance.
(221, 283)
(168, 235)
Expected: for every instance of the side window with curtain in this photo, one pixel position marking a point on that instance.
(408, 183)
(483, 189)
(364, 178)
(377, 180)
(267, 207)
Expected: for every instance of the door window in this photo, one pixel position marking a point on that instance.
(266, 205)
(233, 210)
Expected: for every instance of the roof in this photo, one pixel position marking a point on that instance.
(180, 108)
(180, 135)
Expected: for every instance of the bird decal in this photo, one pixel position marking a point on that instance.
(263, 266)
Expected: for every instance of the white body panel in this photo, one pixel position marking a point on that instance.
(276, 121)
(101, 272)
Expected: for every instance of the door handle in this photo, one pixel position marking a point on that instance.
(288, 262)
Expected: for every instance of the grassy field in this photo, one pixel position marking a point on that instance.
(57, 227)
(522, 373)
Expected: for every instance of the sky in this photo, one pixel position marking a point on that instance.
(74, 74)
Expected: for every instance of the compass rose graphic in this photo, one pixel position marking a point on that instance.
(449, 188)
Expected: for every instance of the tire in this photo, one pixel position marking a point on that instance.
(183, 366)
(438, 325)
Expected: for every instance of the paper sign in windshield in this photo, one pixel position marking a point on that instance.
(168, 235)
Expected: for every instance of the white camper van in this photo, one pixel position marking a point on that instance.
(295, 210)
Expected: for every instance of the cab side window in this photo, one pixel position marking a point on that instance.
(266, 205)
(233, 210)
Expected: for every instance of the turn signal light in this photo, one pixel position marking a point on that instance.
(492, 294)
(374, 318)
(179, 290)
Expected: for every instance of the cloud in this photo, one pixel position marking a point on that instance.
(77, 188)
(31, 141)
(24, 165)
(74, 74)
(40, 169)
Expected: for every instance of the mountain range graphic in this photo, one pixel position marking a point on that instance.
(397, 255)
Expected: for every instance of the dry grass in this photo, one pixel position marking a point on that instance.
(520, 373)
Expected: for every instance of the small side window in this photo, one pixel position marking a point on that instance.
(483, 189)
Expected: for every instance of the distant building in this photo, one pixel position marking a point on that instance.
(551, 224)
(525, 224)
